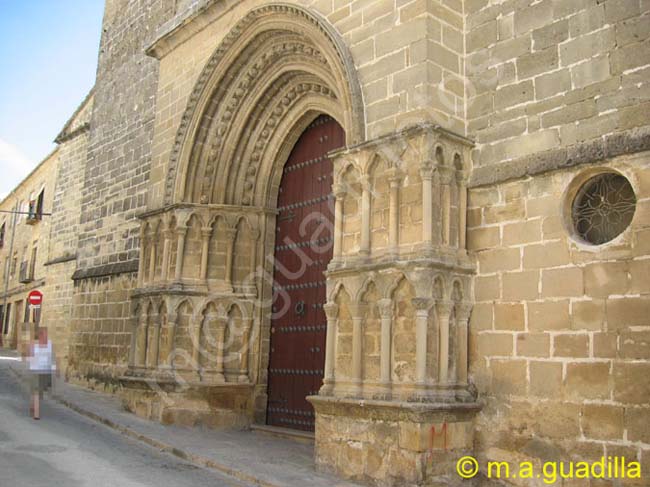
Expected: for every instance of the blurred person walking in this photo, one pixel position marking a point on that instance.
(41, 366)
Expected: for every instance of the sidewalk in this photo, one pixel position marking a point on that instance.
(250, 456)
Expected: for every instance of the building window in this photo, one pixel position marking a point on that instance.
(39, 204)
(603, 208)
(6, 320)
(32, 264)
(2, 235)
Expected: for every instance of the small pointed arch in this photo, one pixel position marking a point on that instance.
(195, 219)
(208, 307)
(394, 284)
(235, 308)
(439, 291)
(184, 304)
(369, 286)
(171, 223)
(335, 291)
(150, 307)
(347, 169)
(440, 155)
(340, 292)
(215, 219)
(377, 164)
(457, 293)
(458, 162)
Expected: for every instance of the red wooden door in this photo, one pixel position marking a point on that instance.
(303, 249)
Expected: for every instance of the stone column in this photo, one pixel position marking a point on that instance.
(197, 329)
(445, 202)
(244, 352)
(463, 311)
(462, 210)
(143, 256)
(152, 257)
(364, 249)
(165, 257)
(339, 195)
(222, 323)
(426, 173)
(153, 347)
(231, 235)
(134, 342)
(172, 322)
(181, 233)
(395, 181)
(422, 307)
(141, 342)
(358, 314)
(332, 314)
(443, 309)
(255, 236)
(386, 314)
(206, 234)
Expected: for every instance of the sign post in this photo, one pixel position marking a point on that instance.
(35, 299)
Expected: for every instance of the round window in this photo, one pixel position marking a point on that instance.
(603, 208)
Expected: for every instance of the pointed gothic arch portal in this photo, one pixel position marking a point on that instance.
(303, 249)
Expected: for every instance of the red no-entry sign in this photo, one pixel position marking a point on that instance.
(35, 298)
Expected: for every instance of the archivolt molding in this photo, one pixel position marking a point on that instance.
(270, 42)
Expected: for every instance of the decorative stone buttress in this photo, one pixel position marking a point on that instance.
(399, 299)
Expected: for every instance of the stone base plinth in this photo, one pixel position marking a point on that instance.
(393, 443)
(189, 404)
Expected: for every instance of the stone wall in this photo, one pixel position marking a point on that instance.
(64, 229)
(102, 324)
(547, 78)
(559, 333)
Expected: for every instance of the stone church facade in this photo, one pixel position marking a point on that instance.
(419, 228)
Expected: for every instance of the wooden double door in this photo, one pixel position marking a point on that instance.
(303, 249)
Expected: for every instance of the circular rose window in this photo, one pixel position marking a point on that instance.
(603, 208)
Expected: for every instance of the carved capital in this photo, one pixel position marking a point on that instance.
(358, 310)
(446, 174)
(463, 310)
(331, 311)
(395, 176)
(385, 308)
(181, 230)
(339, 191)
(426, 172)
(443, 307)
(206, 233)
(421, 305)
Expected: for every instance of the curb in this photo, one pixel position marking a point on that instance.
(182, 454)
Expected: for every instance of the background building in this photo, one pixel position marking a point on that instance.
(24, 238)
(481, 173)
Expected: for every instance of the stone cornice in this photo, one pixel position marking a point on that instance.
(180, 29)
(62, 259)
(392, 410)
(599, 150)
(106, 270)
(214, 207)
(409, 131)
(65, 136)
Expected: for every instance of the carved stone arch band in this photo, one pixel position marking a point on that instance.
(277, 58)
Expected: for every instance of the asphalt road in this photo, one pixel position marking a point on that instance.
(65, 449)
